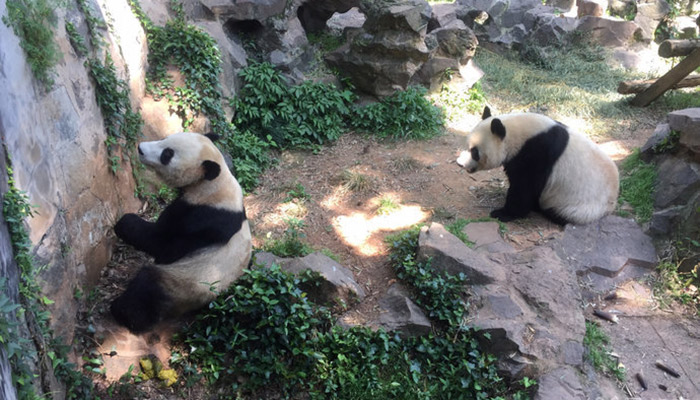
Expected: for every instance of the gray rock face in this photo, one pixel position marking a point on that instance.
(351, 20)
(608, 32)
(399, 313)
(612, 247)
(339, 282)
(486, 238)
(562, 383)
(242, 10)
(664, 221)
(687, 122)
(450, 255)
(442, 15)
(654, 9)
(649, 14)
(533, 315)
(661, 133)
(676, 182)
(313, 14)
(552, 29)
(56, 139)
(527, 303)
(594, 8)
(393, 50)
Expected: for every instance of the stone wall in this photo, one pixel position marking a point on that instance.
(55, 139)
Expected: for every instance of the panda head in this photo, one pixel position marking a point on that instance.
(485, 145)
(184, 158)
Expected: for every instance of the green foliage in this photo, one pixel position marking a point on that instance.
(20, 351)
(677, 285)
(250, 157)
(95, 25)
(198, 58)
(456, 228)
(290, 244)
(668, 144)
(122, 124)
(33, 22)
(403, 115)
(16, 347)
(297, 192)
(439, 293)
(598, 352)
(637, 180)
(265, 333)
(263, 328)
(455, 103)
(76, 40)
(301, 116)
(326, 41)
(387, 205)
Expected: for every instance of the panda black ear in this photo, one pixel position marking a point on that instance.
(498, 129)
(211, 170)
(487, 113)
(212, 136)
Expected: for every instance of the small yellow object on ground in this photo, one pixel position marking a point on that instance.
(169, 376)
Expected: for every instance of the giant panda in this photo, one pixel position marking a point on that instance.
(200, 242)
(551, 168)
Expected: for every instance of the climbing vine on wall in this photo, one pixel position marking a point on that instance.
(21, 352)
(122, 124)
(33, 22)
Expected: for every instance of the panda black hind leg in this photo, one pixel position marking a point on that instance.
(144, 302)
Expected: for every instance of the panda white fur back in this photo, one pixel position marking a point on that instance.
(200, 241)
(550, 168)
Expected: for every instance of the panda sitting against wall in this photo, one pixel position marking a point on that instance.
(200, 242)
(551, 169)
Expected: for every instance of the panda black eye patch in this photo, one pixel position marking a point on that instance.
(475, 153)
(166, 156)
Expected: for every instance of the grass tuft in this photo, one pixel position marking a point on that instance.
(598, 352)
(387, 205)
(291, 243)
(356, 182)
(457, 228)
(637, 180)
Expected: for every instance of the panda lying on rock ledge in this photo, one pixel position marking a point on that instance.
(200, 241)
(551, 168)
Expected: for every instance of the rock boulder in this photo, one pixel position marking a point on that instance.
(607, 251)
(394, 50)
(338, 282)
(687, 122)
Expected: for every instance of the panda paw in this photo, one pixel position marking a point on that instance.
(502, 215)
(126, 224)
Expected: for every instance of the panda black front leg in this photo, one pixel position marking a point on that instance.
(520, 200)
(135, 231)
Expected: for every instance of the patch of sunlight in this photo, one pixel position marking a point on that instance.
(357, 229)
(616, 149)
(335, 198)
(292, 209)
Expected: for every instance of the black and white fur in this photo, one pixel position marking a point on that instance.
(200, 242)
(551, 168)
